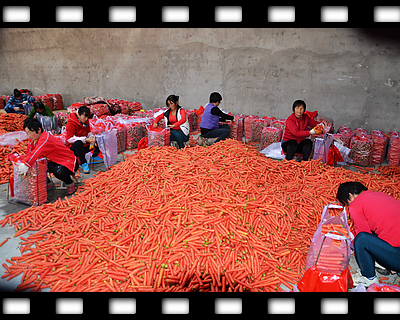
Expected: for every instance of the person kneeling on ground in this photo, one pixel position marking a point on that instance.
(297, 131)
(212, 115)
(61, 160)
(79, 138)
(175, 118)
(376, 217)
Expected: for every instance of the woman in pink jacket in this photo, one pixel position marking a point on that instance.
(376, 217)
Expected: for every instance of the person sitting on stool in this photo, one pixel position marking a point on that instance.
(297, 131)
(212, 115)
(176, 119)
(80, 139)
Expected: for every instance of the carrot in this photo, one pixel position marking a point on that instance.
(4, 241)
(203, 223)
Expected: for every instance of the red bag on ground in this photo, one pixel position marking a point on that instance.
(334, 156)
(320, 281)
(382, 287)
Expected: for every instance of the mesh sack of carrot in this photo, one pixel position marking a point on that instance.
(330, 245)
(361, 149)
(158, 136)
(270, 135)
(256, 128)
(393, 154)
(236, 128)
(31, 188)
(221, 218)
(380, 142)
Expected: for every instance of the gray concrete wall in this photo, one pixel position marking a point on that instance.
(350, 75)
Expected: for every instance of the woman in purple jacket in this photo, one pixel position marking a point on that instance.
(212, 116)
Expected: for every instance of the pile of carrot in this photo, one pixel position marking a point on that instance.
(334, 228)
(5, 164)
(218, 218)
(333, 259)
(10, 122)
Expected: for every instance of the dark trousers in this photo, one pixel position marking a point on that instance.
(80, 150)
(291, 147)
(222, 133)
(61, 172)
(11, 110)
(370, 248)
(179, 137)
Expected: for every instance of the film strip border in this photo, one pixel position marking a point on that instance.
(203, 304)
(201, 15)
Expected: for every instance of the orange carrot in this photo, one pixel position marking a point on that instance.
(196, 219)
(4, 241)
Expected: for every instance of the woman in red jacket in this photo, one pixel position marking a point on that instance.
(376, 217)
(79, 138)
(297, 130)
(175, 118)
(61, 160)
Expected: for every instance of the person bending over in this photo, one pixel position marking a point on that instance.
(43, 110)
(376, 217)
(61, 161)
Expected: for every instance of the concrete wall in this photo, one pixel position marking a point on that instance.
(351, 75)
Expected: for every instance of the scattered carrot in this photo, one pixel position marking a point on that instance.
(4, 241)
(219, 218)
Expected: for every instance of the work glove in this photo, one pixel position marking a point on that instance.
(318, 129)
(75, 138)
(22, 168)
(91, 135)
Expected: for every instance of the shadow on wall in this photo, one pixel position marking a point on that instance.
(390, 35)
